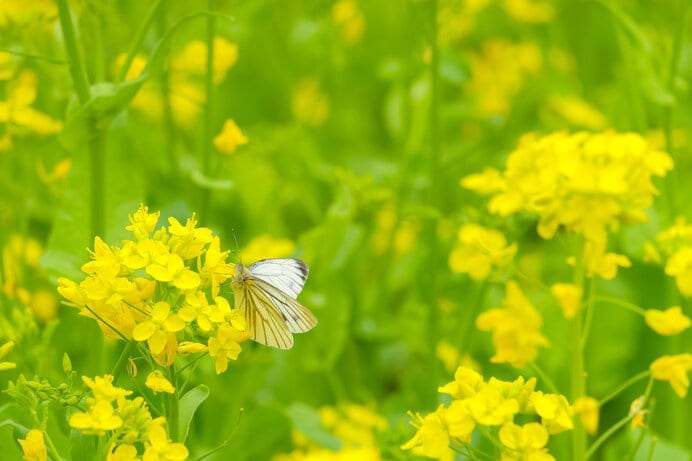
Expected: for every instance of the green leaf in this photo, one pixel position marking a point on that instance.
(188, 405)
(306, 420)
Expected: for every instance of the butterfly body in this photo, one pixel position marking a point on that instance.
(265, 293)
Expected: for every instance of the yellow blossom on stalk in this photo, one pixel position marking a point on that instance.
(638, 412)
(309, 103)
(157, 382)
(186, 348)
(679, 265)
(489, 407)
(554, 410)
(524, 442)
(568, 297)
(516, 328)
(98, 419)
(588, 183)
(587, 408)
(349, 19)
(192, 60)
(479, 250)
(151, 288)
(578, 112)
(33, 446)
(529, 11)
(600, 262)
(160, 448)
(467, 382)
(431, 438)
(498, 73)
(17, 111)
(125, 452)
(156, 330)
(225, 346)
(4, 350)
(266, 246)
(230, 138)
(669, 322)
(673, 368)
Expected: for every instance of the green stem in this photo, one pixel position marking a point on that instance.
(51, 447)
(208, 111)
(606, 435)
(137, 41)
(588, 315)
(544, 377)
(619, 302)
(671, 182)
(122, 360)
(97, 165)
(577, 375)
(77, 69)
(173, 423)
(622, 387)
(170, 132)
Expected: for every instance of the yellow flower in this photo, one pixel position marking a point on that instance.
(215, 269)
(33, 446)
(599, 262)
(103, 388)
(432, 438)
(156, 330)
(160, 448)
(309, 104)
(578, 112)
(347, 16)
(186, 348)
(157, 382)
(225, 346)
(554, 410)
(137, 66)
(124, 452)
(143, 223)
(568, 296)
(17, 110)
(489, 407)
(97, 420)
(4, 350)
(588, 183)
(638, 413)
(188, 241)
(529, 11)
(192, 60)
(467, 382)
(171, 268)
(479, 250)
(669, 322)
(679, 265)
(673, 368)
(524, 442)
(587, 408)
(516, 328)
(230, 138)
(265, 246)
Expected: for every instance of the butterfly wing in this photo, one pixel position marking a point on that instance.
(295, 316)
(286, 274)
(262, 319)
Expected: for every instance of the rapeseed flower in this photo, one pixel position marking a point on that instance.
(669, 322)
(479, 251)
(350, 21)
(152, 287)
(33, 446)
(495, 404)
(516, 328)
(568, 297)
(673, 368)
(230, 138)
(309, 103)
(588, 410)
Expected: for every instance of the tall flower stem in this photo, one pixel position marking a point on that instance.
(77, 69)
(173, 424)
(577, 375)
(208, 111)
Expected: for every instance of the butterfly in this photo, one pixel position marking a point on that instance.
(265, 294)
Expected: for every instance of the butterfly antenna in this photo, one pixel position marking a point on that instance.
(237, 247)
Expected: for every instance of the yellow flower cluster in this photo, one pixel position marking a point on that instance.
(674, 248)
(349, 20)
(354, 425)
(479, 251)
(157, 288)
(128, 423)
(186, 93)
(17, 113)
(516, 328)
(499, 71)
(494, 403)
(586, 183)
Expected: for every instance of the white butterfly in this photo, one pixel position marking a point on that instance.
(265, 293)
